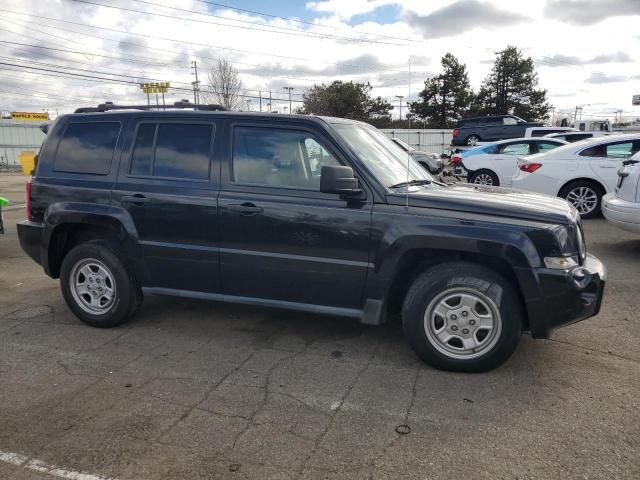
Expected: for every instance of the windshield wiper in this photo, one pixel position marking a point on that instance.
(423, 181)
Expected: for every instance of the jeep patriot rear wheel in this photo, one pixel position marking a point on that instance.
(97, 286)
(462, 317)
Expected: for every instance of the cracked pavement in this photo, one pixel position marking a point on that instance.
(198, 390)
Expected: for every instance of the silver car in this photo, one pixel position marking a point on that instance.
(430, 161)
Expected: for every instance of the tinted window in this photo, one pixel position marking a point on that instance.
(172, 150)
(278, 157)
(515, 149)
(597, 151)
(541, 133)
(546, 146)
(576, 137)
(87, 148)
(182, 151)
(142, 157)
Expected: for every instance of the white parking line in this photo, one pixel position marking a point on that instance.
(42, 467)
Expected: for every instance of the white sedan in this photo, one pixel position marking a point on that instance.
(581, 172)
(622, 208)
(496, 163)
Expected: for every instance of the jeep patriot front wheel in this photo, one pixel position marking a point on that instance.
(462, 317)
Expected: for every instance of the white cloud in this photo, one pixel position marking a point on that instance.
(575, 60)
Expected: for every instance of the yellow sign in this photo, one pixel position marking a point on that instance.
(155, 87)
(35, 116)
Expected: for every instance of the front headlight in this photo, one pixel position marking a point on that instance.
(561, 263)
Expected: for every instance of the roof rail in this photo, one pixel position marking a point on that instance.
(107, 106)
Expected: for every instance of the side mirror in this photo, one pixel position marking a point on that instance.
(338, 180)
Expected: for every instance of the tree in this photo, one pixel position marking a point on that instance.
(224, 85)
(346, 100)
(445, 97)
(511, 87)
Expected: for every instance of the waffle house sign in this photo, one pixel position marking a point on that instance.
(31, 116)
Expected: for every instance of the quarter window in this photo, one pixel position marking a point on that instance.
(87, 148)
(278, 157)
(620, 150)
(172, 150)
(546, 146)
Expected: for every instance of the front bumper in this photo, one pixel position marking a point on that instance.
(566, 296)
(621, 213)
(30, 235)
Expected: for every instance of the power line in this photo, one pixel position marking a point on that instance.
(217, 47)
(295, 20)
(172, 51)
(269, 29)
(114, 81)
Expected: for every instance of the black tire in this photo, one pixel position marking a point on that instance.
(478, 175)
(471, 140)
(127, 297)
(449, 279)
(584, 184)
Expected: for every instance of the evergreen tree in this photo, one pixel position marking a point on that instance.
(511, 87)
(446, 97)
(346, 100)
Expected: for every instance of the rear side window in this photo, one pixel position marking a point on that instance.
(509, 121)
(172, 150)
(87, 148)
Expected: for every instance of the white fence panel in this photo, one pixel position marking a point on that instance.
(17, 137)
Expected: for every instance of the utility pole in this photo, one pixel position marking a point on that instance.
(260, 93)
(196, 84)
(400, 97)
(289, 90)
(269, 101)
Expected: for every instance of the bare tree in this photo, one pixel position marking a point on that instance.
(224, 85)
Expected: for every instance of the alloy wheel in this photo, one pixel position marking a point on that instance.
(585, 199)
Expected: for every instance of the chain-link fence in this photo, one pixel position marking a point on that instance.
(428, 140)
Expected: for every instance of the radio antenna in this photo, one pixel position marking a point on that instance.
(408, 139)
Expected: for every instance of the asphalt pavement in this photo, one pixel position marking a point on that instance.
(198, 390)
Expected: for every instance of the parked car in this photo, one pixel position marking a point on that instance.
(133, 202)
(581, 172)
(471, 131)
(572, 137)
(3, 203)
(430, 161)
(496, 163)
(622, 207)
(545, 131)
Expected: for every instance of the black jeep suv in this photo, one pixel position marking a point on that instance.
(315, 214)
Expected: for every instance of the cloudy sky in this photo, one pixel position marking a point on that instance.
(60, 54)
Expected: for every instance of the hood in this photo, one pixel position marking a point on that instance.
(502, 202)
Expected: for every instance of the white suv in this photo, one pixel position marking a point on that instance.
(581, 172)
(622, 208)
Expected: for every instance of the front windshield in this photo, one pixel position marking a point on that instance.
(379, 154)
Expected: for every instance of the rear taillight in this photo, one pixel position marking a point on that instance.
(28, 193)
(456, 131)
(456, 159)
(529, 167)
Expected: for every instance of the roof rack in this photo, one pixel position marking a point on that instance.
(107, 106)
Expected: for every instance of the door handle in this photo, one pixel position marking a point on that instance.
(137, 199)
(247, 209)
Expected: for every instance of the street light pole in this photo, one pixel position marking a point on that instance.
(400, 97)
(289, 90)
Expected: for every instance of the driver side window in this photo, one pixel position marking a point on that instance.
(278, 157)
